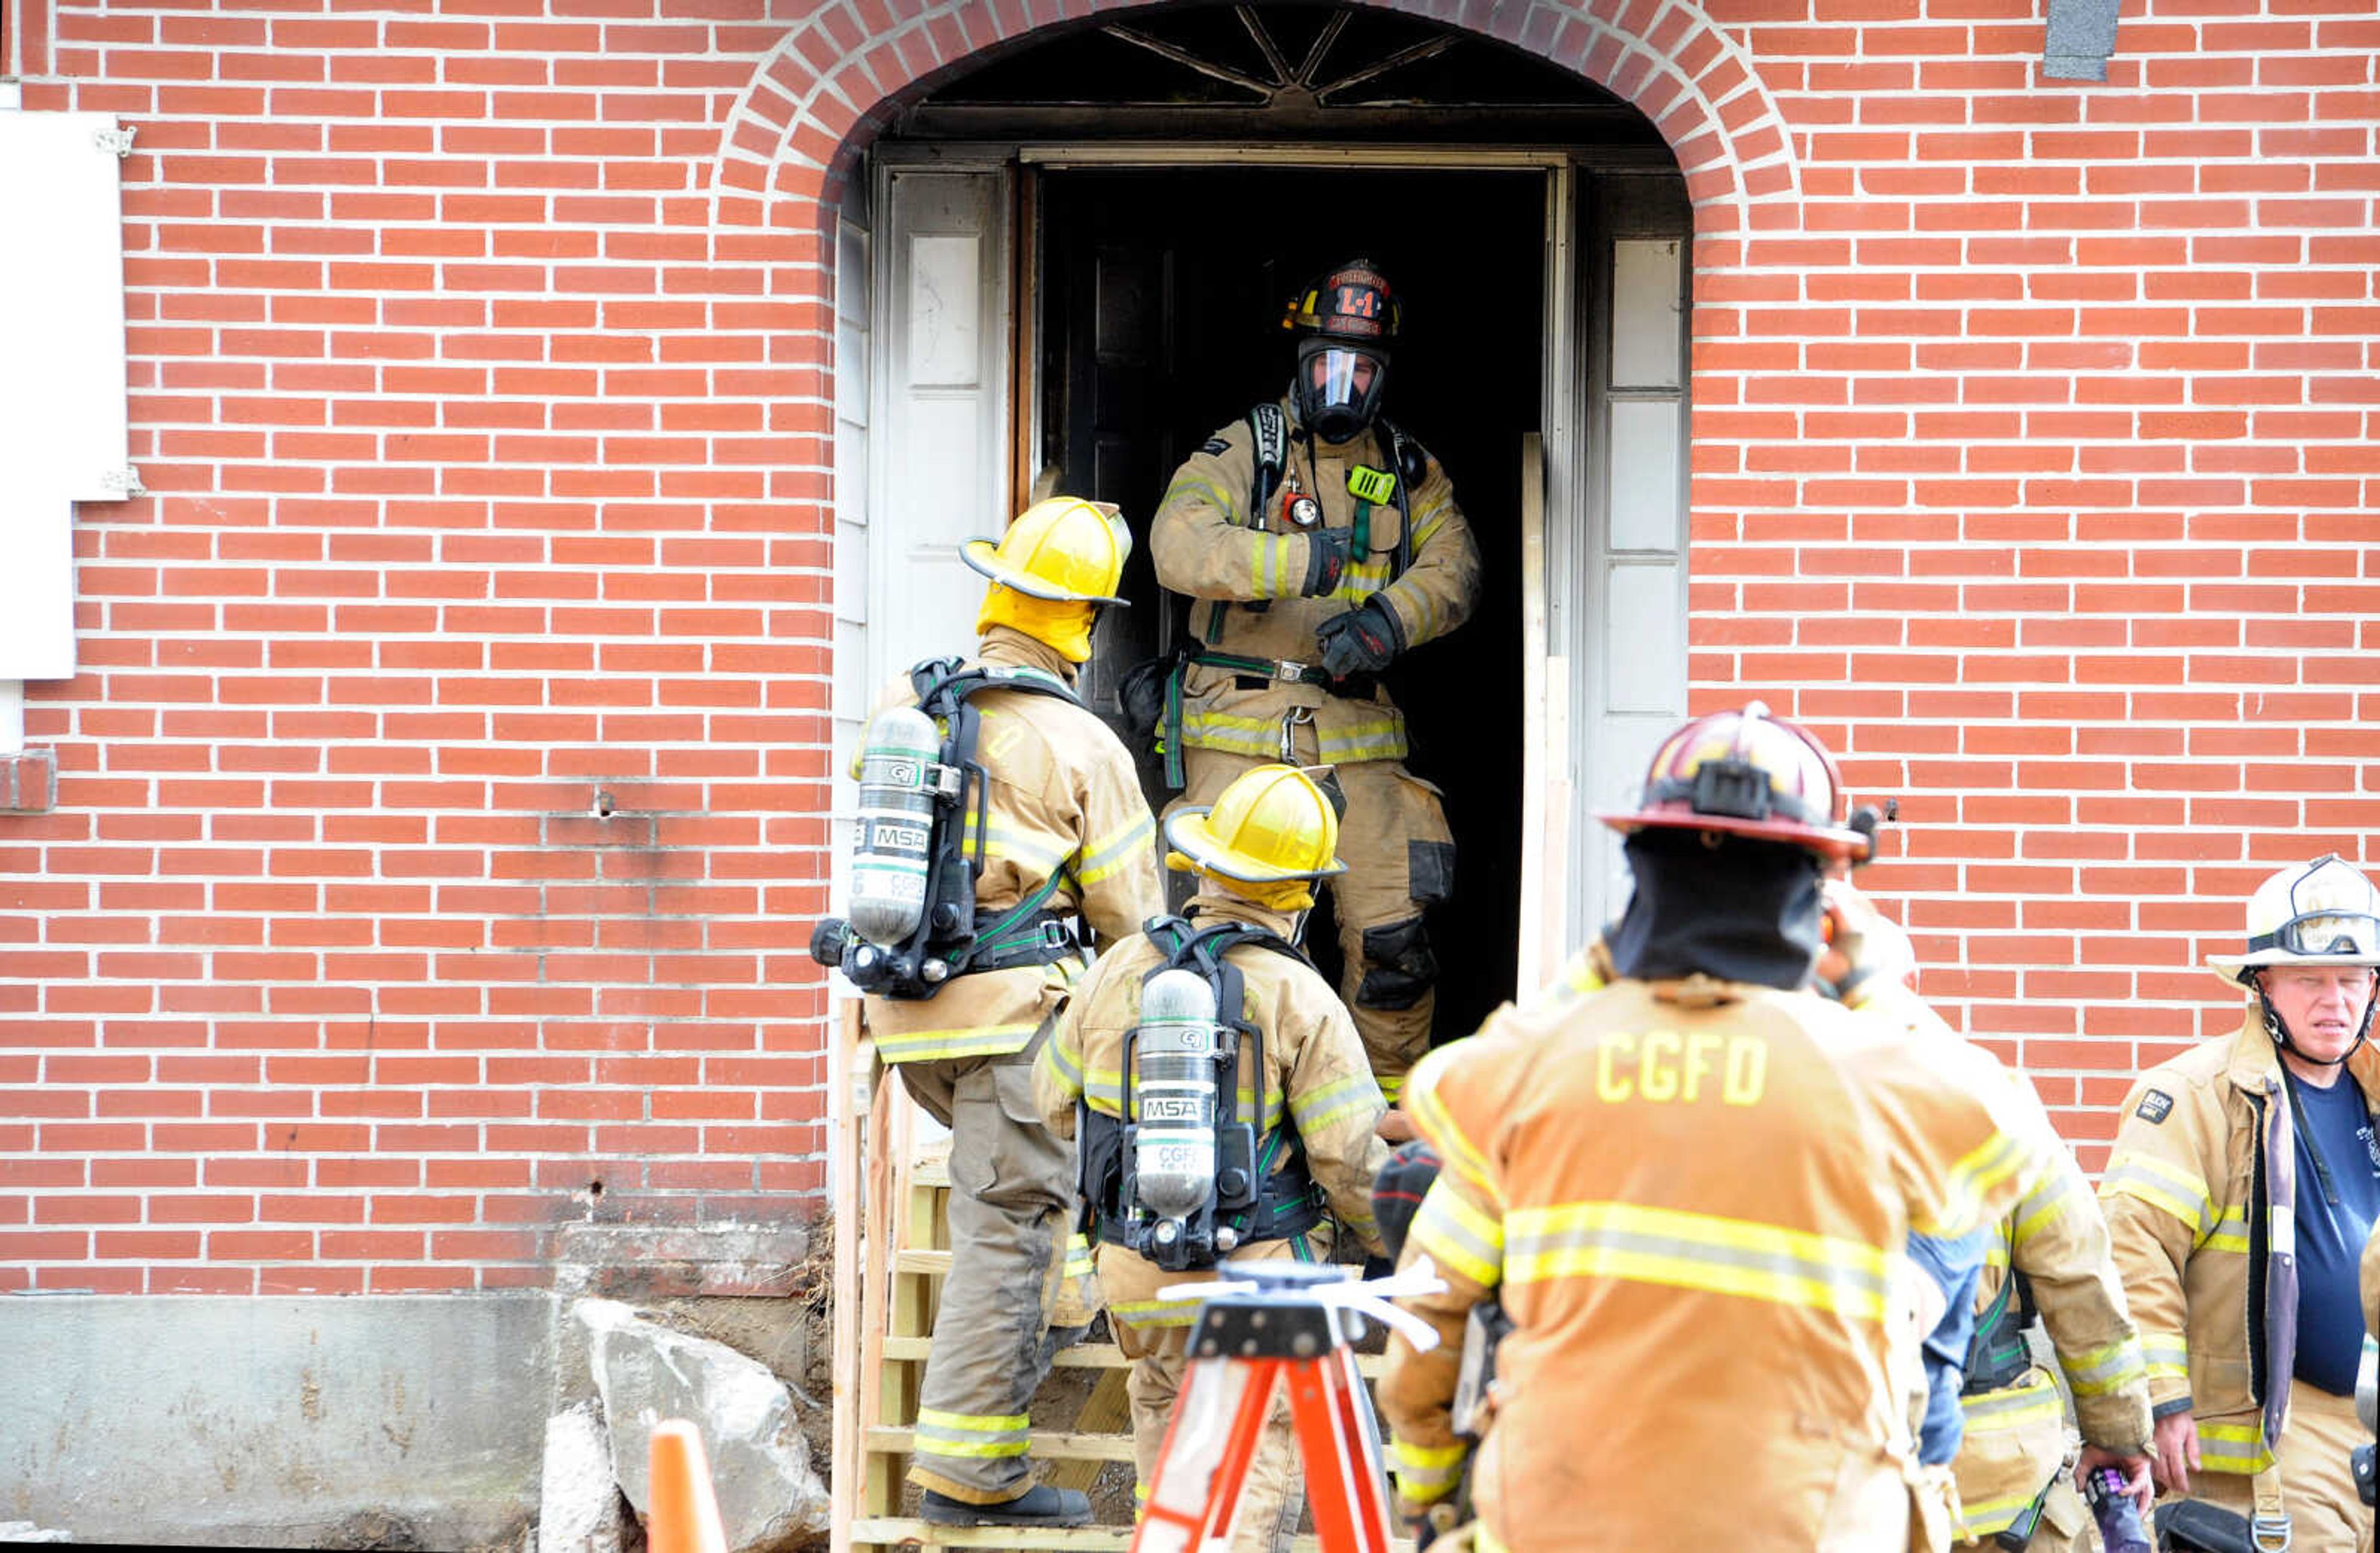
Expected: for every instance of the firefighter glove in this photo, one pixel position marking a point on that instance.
(1865, 948)
(1326, 556)
(1363, 640)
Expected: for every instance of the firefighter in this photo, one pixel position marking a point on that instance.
(1318, 543)
(1255, 854)
(1064, 831)
(2223, 1157)
(2046, 1261)
(1695, 1193)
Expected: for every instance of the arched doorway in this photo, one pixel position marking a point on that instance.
(1078, 252)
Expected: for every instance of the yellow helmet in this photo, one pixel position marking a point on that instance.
(1272, 824)
(1064, 549)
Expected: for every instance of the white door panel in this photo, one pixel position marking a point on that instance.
(940, 435)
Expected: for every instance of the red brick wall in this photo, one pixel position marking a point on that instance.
(484, 475)
(478, 365)
(2036, 465)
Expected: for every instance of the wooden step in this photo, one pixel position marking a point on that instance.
(1082, 1356)
(888, 1531)
(1049, 1444)
(1090, 1356)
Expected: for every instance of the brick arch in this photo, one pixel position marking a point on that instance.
(819, 98)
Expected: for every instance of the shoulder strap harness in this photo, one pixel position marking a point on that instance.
(948, 929)
(1263, 1190)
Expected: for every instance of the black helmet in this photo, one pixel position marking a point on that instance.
(1344, 322)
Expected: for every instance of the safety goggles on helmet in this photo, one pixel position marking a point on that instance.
(2321, 913)
(2324, 933)
(1339, 387)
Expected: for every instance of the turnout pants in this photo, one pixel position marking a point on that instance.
(1155, 1335)
(2015, 1449)
(1400, 857)
(2317, 1486)
(1012, 1206)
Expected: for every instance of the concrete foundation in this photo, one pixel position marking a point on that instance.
(390, 1421)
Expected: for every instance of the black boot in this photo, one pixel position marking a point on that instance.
(1039, 1506)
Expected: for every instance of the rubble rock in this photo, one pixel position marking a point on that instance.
(578, 1506)
(769, 1498)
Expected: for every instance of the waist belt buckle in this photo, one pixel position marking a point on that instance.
(1290, 673)
(2269, 1533)
(1056, 933)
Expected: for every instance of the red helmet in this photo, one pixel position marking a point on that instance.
(1747, 773)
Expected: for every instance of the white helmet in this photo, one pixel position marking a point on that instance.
(2321, 913)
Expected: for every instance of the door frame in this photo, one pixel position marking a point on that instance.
(1545, 865)
(1562, 881)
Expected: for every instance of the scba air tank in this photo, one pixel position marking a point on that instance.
(893, 850)
(1173, 1078)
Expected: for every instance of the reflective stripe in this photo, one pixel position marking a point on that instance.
(2164, 1355)
(1034, 852)
(1425, 613)
(1259, 737)
(1110, 854)
(1427, 1472)
(1972, 1181)
(1360, 580)
(1082, 1260)
(1264, 579)
(2103, 1370)
(1577, 978)
(2233, 1448)
(975, 1435)
(1682, 1250)
(981, 1041)
(2230, 1232)
(1065, 1065)
(2162, 1184)
(2042, 1210)
(1382, 739)
(1355, 1096)
(1392, 1088)
(1139, 1314)
(1214, 495)
(1429, 1115)
(1428, 524)
(1981, 1517)
(2012, 1408)
(1459, 1236)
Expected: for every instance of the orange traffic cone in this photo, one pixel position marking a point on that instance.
(681, 1514)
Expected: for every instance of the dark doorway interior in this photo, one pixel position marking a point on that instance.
(1160, 298)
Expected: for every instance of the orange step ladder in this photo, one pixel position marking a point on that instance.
(1275, 1326)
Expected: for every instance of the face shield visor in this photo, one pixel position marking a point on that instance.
(1339, 387)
